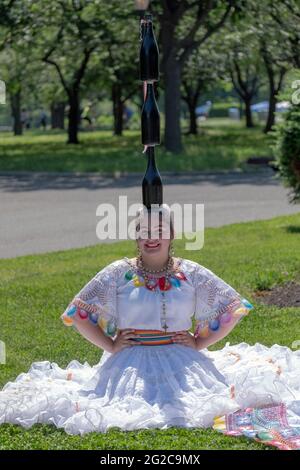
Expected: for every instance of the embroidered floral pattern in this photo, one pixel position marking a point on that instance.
(217, 303)
(96, 301)
(267, 424)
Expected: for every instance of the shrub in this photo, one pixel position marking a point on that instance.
(287, 151)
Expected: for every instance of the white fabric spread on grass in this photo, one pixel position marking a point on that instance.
(154, 387)
(145, 386)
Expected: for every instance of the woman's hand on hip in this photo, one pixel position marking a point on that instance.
(185, 338)
(123, 340)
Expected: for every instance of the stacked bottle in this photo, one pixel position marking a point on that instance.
(150, 119)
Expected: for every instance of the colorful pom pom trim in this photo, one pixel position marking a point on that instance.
(238, 308)
(88, 312)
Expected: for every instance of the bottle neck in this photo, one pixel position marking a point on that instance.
(149, 29)
(151, 158)
(150, 91)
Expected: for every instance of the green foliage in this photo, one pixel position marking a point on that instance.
(287, 151)
(267, 279)
(221, 109)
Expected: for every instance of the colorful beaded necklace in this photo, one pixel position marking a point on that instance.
(164, 283)
(172, 278)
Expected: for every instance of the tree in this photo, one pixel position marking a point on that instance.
(287, 151)
(15, 59)
(121, 66)
(57, 110)
(185, 25)
(191, 90)
(243, 63)
(17, 69)
(52, 95)
(277, 59)
(286, 17)
(11, 20)
(72, 33)
(246, 83)
(200, 72)
(286, 14)
(275, 72)
(74, 27)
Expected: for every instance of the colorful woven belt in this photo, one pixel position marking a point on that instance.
(153, 337)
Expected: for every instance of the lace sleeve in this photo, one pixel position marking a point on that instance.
(217, 303)
(96, 302)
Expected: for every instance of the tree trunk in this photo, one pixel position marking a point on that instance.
(118, 109)
(271, 112)
(172, 77)
(15, 100)
(274, 88)
(193, 118)
(248, 113)
(73, 118)
(57, 115)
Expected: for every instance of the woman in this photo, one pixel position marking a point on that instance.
(154, 372)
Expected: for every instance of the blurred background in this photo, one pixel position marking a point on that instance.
(229, 73)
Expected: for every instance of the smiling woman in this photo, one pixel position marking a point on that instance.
(155, 371)
(154, 234)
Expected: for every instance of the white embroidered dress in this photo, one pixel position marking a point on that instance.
(147, 386)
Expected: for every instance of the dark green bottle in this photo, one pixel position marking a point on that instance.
(150, 118)
(149, 53)
(152, 184)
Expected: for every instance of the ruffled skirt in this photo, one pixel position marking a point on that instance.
(142, 387)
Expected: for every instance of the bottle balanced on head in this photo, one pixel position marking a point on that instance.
(150, 119)
(149, 73)
(149, 54)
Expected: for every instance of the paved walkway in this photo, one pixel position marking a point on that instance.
(41, 213)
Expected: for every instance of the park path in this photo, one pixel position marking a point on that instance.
(42, 212)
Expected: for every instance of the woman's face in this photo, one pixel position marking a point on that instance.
(154, 243)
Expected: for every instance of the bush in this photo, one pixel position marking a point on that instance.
(287, 151)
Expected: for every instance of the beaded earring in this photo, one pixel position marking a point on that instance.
(171, 249)
(138, 251)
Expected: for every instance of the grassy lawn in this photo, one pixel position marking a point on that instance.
(36, 290)
(221, 144)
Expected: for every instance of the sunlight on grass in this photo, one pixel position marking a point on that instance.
(221, 144)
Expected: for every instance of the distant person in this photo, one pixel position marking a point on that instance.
(85, 115)
(204, 110)
(128, 112)
(43, 120)
(24, 118)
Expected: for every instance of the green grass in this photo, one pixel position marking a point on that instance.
(222, 144)
(35, 290)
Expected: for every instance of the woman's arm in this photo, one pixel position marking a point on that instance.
(218, 307)
(94, 334)
(216, 336)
